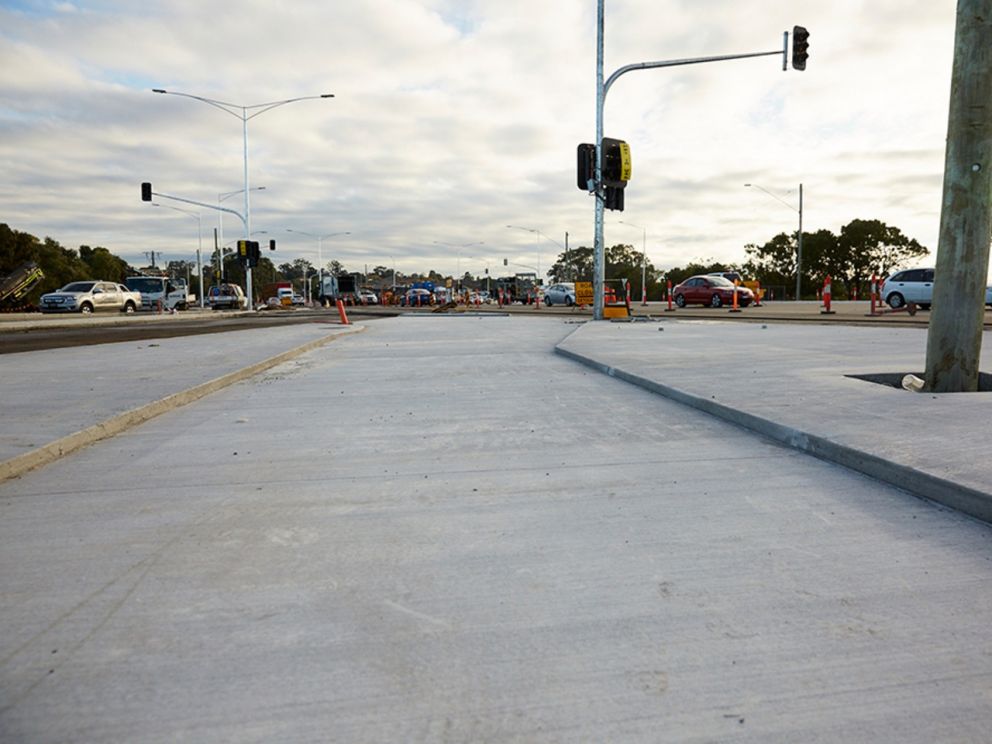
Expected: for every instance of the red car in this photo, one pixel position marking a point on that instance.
(715, 291)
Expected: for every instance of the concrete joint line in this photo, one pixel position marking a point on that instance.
(123, 421)
(967, 500)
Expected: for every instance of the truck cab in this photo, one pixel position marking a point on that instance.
(159, 291)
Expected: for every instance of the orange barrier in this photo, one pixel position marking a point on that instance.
(735, 308)
(826, 297)
(342, 313)
(757, 294)
(874, 296)
(668, 293)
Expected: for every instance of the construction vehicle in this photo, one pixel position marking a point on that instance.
(333, 288)
(519, 288)
(15, 287)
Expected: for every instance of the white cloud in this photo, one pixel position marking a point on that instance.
(452, 119)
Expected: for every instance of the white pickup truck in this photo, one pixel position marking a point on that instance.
(159, 290)
(90, 296)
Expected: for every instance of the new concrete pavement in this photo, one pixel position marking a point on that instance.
(440, 529)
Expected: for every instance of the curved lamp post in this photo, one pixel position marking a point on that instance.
(320, 257)
(244, 113)
(644, 261)
(199, 241)
(799, 245)
(536, 232)
(460, 247)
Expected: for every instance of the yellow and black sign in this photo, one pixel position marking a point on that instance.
(616, 162)
(583, 293)
(625, 166)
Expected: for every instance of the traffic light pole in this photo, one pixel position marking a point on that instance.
(602, 88)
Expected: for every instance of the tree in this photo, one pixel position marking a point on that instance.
(103, 264)
(773, 263)
(871, 246)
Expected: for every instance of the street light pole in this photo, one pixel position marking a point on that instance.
(257, 110)
(799, 242)
(538, 232)
(199, 243)
(644, 261)
(220, 216)
(320, 254)
(460, 248)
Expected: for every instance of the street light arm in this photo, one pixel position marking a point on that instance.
(263, 107)
(773, 196)
(223, 106)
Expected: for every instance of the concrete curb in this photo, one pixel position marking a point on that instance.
(121, 422)
(965, 499)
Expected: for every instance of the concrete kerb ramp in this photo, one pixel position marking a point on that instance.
(969, 500)
(63, 446)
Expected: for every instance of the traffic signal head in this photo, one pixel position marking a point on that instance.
(616, 162)
(586, 171)
(800, 47)
(272, 245)
(613, 198)
(243, 249)
(146, 192)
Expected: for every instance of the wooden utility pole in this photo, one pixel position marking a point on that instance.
(954, 342)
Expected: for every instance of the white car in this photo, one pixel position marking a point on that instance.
(916, 286)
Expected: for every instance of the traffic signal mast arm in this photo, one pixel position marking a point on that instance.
(151, 193)
(694, 61)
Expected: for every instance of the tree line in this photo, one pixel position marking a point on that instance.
(862, 249)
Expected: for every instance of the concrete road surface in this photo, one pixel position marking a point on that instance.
(440, 530)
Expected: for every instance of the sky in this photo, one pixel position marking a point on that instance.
(452, 119)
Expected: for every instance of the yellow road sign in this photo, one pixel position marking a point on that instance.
(583, 293)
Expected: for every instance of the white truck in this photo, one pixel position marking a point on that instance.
(333, 288)
(159, 291)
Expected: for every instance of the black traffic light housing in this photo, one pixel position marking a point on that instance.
(248, 252)
(146, 192)
(272, 245)
(586, 167)
(800, 47)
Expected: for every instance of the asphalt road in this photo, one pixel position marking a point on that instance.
(107, 330)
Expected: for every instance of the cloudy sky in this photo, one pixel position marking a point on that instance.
(455, 118)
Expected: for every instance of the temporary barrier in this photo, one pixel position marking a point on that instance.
(735, 308)
(668, 293)
(874, 296)
(342, 313)
(757, 294)
(826, 297)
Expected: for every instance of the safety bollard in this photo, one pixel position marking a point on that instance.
(668, 293)
(826, 297)
(757, 294)
(735, 308)
(342, 313)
